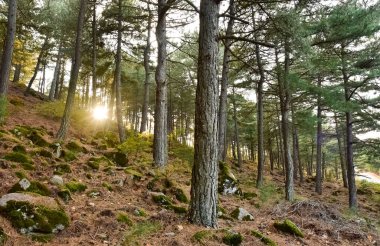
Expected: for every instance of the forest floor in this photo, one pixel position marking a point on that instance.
(117, 207)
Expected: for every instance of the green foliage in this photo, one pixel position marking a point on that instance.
(181, 151)
(202, 236)
(109, 138)
(180, 195)
(74, 186)
(136, 143)
(35, 187)
(140, 230)
(268, 191)
(233, 239)
(68, 155)
(288, 226)
(124, 218)
(45, 153)
(24, 160)
(162, 200)
(135, 174)
(19, 148)
(264, 239)
(74, 146)
(62, 168)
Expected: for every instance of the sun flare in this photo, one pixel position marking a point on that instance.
(100, 113)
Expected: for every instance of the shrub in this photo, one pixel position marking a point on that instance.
(136, 143)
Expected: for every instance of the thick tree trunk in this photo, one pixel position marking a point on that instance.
(144, 116)
(75, 65)
(16, 76)
(54, 82)
(94, 57)
(224, 87)
(119, 110)
(341, 151)
(285, 97)
(160, 139)
(318, 180)
(204, 182)
(39, 61)
(352, 193)
(6, 59)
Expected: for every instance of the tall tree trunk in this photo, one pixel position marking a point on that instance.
(318, 180)
(341, 151)
(160, 139)
(16, 76)
(236, 129)
(119, 110)
(285, 109)
(94, 57)
(75, 65)
(312, 157)
(204, 182)
(61, 80)
(6, 59)
(39, 61)
(224, 87)
(144, 116)
(43, 81)
(352, 193)
(54, 82)
(260, 117)
(295, 144)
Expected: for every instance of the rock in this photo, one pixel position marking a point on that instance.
(120, 159)
(64, 194)
(38, 139)
(30, 186)
(241, 214)
(179, 227)
(228, 184)
(170, 234)
(33, 213)
(57, 150)
(288, 226)
(233, 238)
(74, 146)
(57, 180)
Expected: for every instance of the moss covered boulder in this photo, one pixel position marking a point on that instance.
(264, 239)
(241, 214)
(289, 227)
(33, 213)
(233, 239)
(228, 184)
(120, 158)
(37, 139)
(74, 146)
(24, 185)
(24, 160)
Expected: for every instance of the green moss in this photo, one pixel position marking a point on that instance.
(124, 218)
(162, 200)
(38, 139)
(30, 218)
(135, 174)
(93, 164)
(68, 155)
(45, 153)
(268, 191)
(136, 143)
(19, 148)
(110, 138)
(20, 174)
(74, 186)
(140, 212)
(41, 237)
(35, 187)
(62, 168)
(141, 230)
(3, 237)
(180, 195)
(202, 236)
(65, 194)
(107, 186)
(288, 226)
(264, 239)
(74, 146)
(181, 151)
(220, 209)
(249, 195)
(233, 239)
(18, 157)
(178, 209)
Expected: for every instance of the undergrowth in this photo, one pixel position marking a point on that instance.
(140, 230)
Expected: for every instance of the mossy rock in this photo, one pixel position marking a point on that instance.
(19, 148)
(228, 184)
(3, 237)
(288, 226)
(120, 159)
(45, 153)
(68, 155)
(24, 185)
(178, 209)
(264, 239)
(33, 213)
(38, 139)
(233, 239)
(107, 186)
(74, 186)
(74, 146)
(64, 194)
(241, 214)
(180, 195)
(62, 168)
(24, 160)
(161, 199)
(93, 163)
(124, 218)
(135, 174)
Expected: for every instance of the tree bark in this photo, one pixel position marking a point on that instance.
(318, 180)
(160, 139)
(16, 76)
(341, 151)
(54, 82)
(6, 59)
(236, 129)
(144, 116)
(224, 87)
(119, 110)
(61, 80)
(94, 57)
(75, 65)
(204, 182)
(39, 61)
